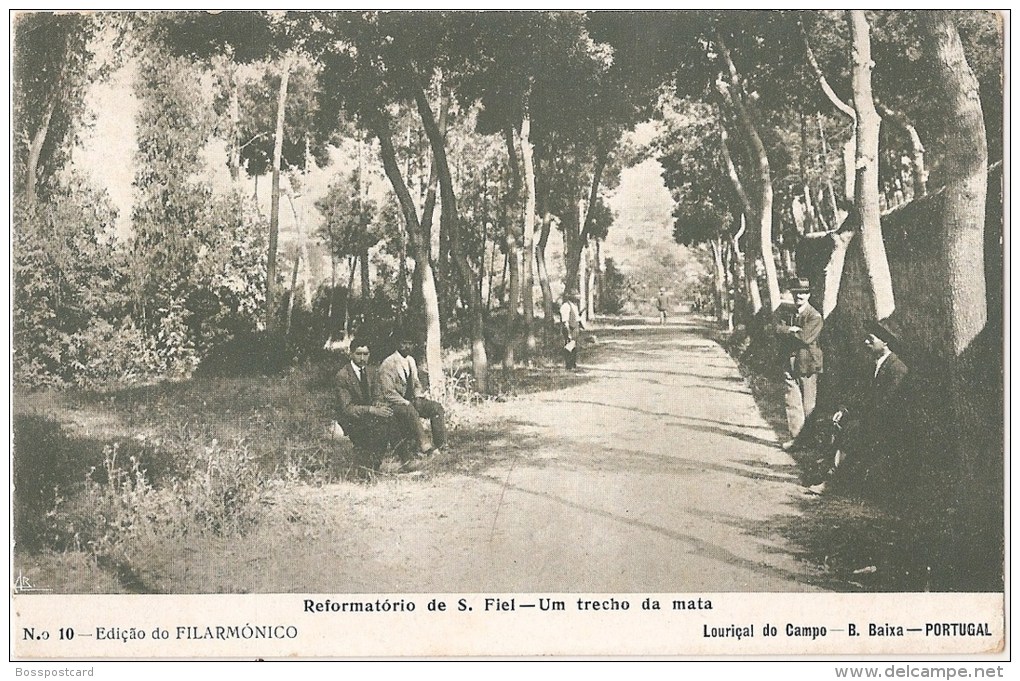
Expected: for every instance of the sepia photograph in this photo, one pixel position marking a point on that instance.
(572, 333)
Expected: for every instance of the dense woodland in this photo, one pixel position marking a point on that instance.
(496, 132)
(823, 144)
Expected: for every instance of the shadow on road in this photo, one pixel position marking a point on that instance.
(844, 544)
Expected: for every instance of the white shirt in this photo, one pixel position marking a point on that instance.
(569, 313)
(880, 361)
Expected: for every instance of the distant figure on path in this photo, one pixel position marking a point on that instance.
(402, 391)
(571, 325)
(798, 331)
(663, 304)
(873, 424)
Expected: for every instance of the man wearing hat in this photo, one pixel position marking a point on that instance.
(801, 357)
(401, 390)
(876, 416)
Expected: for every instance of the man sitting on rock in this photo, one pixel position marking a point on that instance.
(401, 390)
(357, 385)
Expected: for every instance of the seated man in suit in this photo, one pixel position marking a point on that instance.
(402, 392)
(357, 385)
(873, 425)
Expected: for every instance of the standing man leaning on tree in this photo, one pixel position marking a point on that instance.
(798, 331)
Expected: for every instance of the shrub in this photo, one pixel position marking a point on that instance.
(64, 270)
(104, 353)
(117, 512)
(223, 490)
(616, 289)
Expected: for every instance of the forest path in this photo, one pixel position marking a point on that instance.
(652, 472)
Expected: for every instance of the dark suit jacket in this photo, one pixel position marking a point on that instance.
(882, 401)
(352, 403)
(802, 356)
(880, 428)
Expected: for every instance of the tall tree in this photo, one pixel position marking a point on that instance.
(274, 212)
(355, 55)
(52, 64)
(277, 136)
(961, 242)
(866, 166)
(170, 229)
(528, 155)
(451, 216)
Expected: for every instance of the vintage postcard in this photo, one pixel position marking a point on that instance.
(558, 334)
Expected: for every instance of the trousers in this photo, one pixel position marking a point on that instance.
(801, 393)
(409, 416)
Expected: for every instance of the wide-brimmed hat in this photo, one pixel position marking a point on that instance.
(798, 286)
(884, 329)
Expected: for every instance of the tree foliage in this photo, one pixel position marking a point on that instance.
(52, 65)
(442, 97)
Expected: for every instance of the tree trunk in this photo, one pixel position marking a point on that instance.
(849, 176)
(366, 281)
(582, 286)
(420, 250)
(735, 97)
(234, 150)
(918, 173)
(574, 247)
(514, 252)
(750, 271)
(833, 273)
(809, 207)
(590, 288)
(528, 154)
(761, 243)
(543, 273)
(330, 324)
(866, 166)
(402, 277)
(293, 292)
(971, 377)
(302, 242)
(433, 333)
(720, 279)
(274, 211)
(450, 216)
(825, 170)
(352, 263)
(39, 140)
(965, 167)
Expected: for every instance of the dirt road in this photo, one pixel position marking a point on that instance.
(652, 471)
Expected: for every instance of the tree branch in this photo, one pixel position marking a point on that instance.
(731, 168)
(822, 80)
